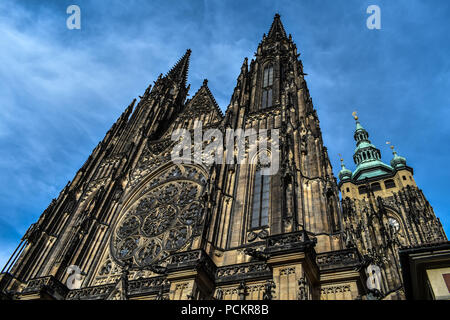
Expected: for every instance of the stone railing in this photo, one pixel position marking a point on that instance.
(49, 284)
(239, 272)
(147, 286)
(197, 259)
(135, 287)
(91, 293)
(348, 258)
(294, 241)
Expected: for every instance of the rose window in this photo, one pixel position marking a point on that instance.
(149, 253)
(163, 220)
(126, 247)
(129, 227)
(176, 239)
(158, 220)
(192, 213)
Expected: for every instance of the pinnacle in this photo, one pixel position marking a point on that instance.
(277, 28)
(179, 72)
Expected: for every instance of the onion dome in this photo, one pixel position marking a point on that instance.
(367, 157)
(398, 161)
(344, 174)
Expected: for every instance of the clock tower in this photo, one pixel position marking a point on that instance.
(384, 210)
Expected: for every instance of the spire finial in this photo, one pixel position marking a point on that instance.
(277, 29)
(205, 82)
(358, 124)
(392, 147)
(342, 160)
(179, 71)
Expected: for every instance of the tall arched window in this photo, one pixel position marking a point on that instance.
(267, 86)
(260, 203)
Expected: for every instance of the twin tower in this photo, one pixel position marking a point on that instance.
(133, 224)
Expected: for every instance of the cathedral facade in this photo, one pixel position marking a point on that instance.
(134, 224)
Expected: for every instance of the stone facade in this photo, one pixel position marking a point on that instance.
(139, 226)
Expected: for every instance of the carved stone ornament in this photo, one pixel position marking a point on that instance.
(163, 220)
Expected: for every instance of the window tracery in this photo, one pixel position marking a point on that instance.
(267, 86)
(163, 220)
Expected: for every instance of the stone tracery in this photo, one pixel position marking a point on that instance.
(163, 219)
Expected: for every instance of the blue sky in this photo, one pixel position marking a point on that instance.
(61, 89)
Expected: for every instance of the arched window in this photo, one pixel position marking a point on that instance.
(267, 87)
(362, 190)
(260, 203)
(389, 184)
(376, 186)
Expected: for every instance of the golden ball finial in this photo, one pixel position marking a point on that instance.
(354, 115)
(391, 146)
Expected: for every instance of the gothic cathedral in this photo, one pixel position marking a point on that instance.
(133, 224)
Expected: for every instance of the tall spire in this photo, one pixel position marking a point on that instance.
(277, 29)
(367, 157)
(365, 150)
(179, 72)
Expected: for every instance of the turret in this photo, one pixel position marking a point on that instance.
(397, 162)
(344, 174)
(366, 156)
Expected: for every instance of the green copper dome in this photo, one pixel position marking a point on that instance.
(344, 174)
(367, 157)
(397, 162)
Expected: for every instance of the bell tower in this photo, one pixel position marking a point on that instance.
(384, 210)
(271, 94)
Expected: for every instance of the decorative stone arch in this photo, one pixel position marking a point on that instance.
(254, 165)
(162, 215)
(260, 81)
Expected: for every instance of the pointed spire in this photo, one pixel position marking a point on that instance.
(366, 156)
(126, 114)
(244, 66)
(277, 29)
(365, 150)
(344, 174)
(179, 72)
